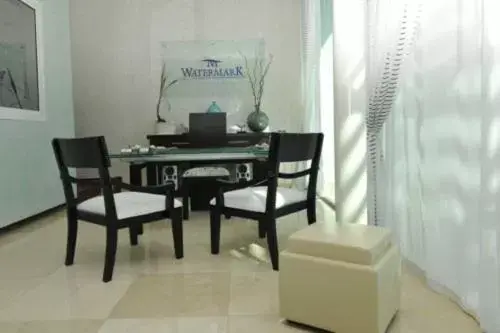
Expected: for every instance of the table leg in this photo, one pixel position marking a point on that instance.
(151, 174)
(185, 199)
(135, 174)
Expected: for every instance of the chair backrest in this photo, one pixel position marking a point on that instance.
(81, 153)
(293, 147)
(84, 153)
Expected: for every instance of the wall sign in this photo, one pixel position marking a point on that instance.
(21, 65)
(213, 69)
(208, 71)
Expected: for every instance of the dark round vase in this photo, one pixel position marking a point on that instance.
(257, 121)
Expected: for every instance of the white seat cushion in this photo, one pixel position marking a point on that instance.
(128, 204)
(254, 198)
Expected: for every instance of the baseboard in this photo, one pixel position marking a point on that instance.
(26, 221)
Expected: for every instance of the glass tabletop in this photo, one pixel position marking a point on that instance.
(229, 152)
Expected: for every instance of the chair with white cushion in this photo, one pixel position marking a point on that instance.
(113, 208)
(264, 201)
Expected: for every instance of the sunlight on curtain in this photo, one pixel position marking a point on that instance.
(326, 116)
(350, 103)
(441, 161)
(317, 64)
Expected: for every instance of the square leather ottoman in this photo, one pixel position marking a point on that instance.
(343, 278)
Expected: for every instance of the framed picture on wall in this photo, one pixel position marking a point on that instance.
(22, 94)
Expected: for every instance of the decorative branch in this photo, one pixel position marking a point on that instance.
(257, 77)
(163, 92)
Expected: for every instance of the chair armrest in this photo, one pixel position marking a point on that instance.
(94, 181)
(227, 185)
(294, 175)
(167, 188)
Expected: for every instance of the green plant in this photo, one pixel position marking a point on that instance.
(257, 77)
(164, 86)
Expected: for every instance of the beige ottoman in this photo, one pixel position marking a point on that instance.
(341, 278)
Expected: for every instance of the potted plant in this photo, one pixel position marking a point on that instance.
(164, 126)
(257, 120)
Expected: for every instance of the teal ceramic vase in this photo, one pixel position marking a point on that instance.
(257, 121)
(214, 108)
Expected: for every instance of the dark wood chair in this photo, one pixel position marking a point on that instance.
(113, 208)
(265, 201)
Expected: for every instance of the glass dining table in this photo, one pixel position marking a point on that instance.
(185, 158)
(216, 155)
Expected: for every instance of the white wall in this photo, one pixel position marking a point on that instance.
(112, 40)
(29, 180)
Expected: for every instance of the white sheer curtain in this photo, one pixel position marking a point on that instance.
(438, 155)
(426, 76)
(392, 27)
(317, 84)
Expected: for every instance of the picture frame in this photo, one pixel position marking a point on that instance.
(22, 81)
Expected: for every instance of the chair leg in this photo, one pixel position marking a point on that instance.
(177, 232)
(185, 206)
(215, 229)
(134, 234)
(311, 211)
(111, 243)
(262, 229)
(71, 239)
(272, 243)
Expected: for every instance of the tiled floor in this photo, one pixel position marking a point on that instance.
(235, 292)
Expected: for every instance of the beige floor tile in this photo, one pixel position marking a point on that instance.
(263, 324)
(254, 293)
(249, 255)
(22, 231)
(63, 297)
(10, 327)
(55, 326)
(149, 297)
(29, 258)
(38, 294)
(201, 294)
(423, 310)
(166, 325)
(202, 324)
(197, 259)
(139, 326)
(61, 326)
(89, 261)
(422, 322)
(11, 290)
